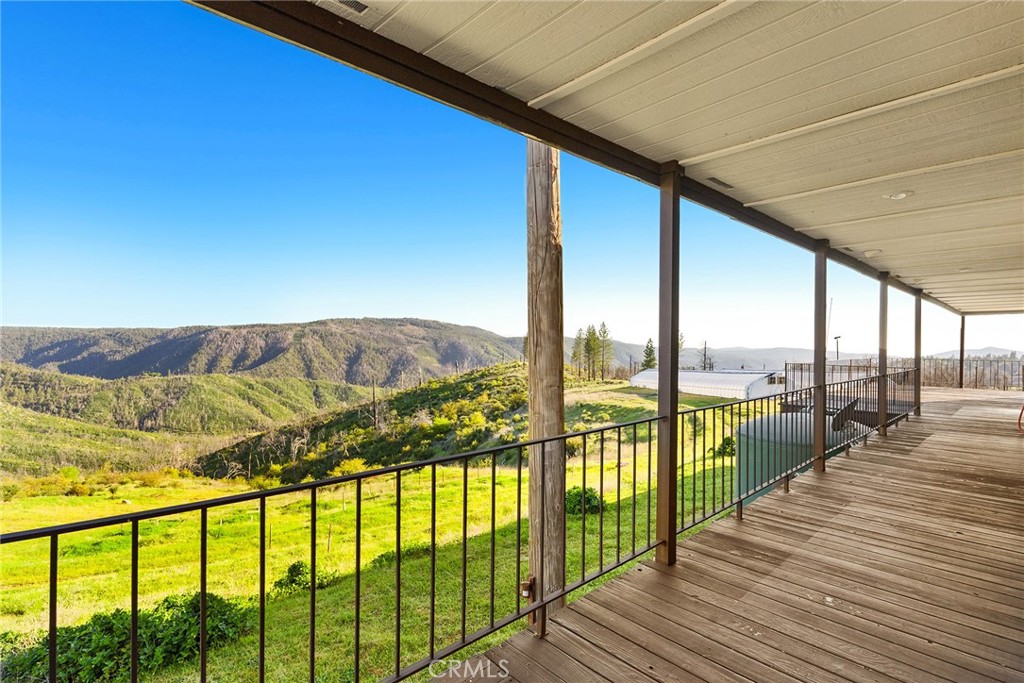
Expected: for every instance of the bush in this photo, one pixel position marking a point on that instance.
(726, 449)
(576, 499)
(296, 578)
(99, 650)
(8, 491)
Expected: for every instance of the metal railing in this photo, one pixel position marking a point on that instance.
(979, 373)
(727, 454)
(617, 461)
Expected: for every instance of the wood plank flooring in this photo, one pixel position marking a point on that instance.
(902, 562)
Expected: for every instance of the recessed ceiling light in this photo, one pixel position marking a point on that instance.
(965, 270)
(872, 253)
(898, 195)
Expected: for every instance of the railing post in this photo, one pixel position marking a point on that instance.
(883, 351)
(668, 363)
(917, 353)
(963, 326)
(820, 333)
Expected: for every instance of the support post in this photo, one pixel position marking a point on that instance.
(883, 352)
(820, 333)
(963, 327)
(917, 354)
(668, 363)
(545, 344)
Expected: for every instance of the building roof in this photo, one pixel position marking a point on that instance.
(890, 129)
(722, 379)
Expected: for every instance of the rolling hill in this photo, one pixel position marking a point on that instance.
(390, 352)
(193, 404)
(394, 352)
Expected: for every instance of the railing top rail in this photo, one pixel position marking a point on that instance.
(167, 511)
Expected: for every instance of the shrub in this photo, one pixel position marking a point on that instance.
(296, 578)
(99, 650)
(726, 449)
(8, 491)
(576, 499)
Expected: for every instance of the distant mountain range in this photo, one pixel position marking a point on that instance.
(395, 352)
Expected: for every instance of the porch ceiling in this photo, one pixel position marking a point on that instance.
(812, 114)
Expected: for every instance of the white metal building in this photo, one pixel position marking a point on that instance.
(739, 384)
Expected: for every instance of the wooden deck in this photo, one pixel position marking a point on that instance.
(903, 562)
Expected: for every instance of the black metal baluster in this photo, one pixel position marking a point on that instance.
(202, 594)
(465, 514)
(600, 517)
(519, 528)
(433, 556)
(650, 480)
(52, 637)
(312, 585)
(398, 572)
(134, 666)
(583, 519)
(618, 493)
(633, 534)
(359, 574)
(263, 591)
(494, 505)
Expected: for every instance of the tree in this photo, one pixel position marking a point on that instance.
(577, 352)
(607, 353)
(705, 358)
(680, 361)
(591, 351)
(650, 357)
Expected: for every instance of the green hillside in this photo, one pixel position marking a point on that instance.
(389, 352)
(447, 415)
(203, 404)
(35, 443)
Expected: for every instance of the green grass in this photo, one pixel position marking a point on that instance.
(94, 565)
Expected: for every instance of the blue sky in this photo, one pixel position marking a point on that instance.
(163, 166)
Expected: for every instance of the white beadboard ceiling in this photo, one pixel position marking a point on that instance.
(813, 112)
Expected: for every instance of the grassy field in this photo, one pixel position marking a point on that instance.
(94, 565)
(34, 444)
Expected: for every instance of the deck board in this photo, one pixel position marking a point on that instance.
(902, 562)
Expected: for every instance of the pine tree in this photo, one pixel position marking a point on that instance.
(577, 352)
(591, 351)
(607, 352)
(650, 357)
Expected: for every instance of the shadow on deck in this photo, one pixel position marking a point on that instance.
(903, 562)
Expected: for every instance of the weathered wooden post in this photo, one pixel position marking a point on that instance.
(820, 339)
(545, 349)
(668, 364)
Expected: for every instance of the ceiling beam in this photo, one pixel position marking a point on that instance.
(310, 27)
(914, 212)
(891, 176)
(882, 107)
(642, 51)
